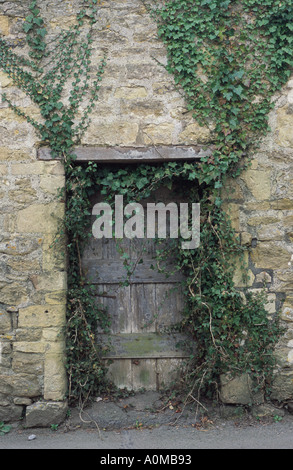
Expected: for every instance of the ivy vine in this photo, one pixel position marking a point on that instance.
(228, 58)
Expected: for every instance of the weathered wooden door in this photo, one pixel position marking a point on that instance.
(144, 353)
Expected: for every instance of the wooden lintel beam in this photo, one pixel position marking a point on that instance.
(131, 154)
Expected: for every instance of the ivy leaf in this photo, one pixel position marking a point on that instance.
(141, 183)
(27, 27)
(238, 90)
(228, 95)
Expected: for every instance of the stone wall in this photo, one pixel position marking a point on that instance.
(261, 208)
(138, 106)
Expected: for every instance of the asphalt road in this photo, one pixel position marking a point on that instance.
(276, 435)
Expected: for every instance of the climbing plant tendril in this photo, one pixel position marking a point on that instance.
(228, 59)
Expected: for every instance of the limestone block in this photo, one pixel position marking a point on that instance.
(20, 385)
(194, 134)
(267, 411)
(163, 87)
(143, 109)
(51, 281)
(5, 81)
(17, 134)
(28, 334)
(246, 239)
(8, 115)
(37, 347)
(20, 246)
(22, 401)
(290, 358)
(270, 256)
(270, 233)
(5, 352)
(53, 261)
(40, 218)
(139, 71)
(54, 168)
(112, 133)
(3, 170)
(13, 293)
(24, 265)
(44, 414)
(287, 313)
(257, 206)
(54, 257)
(158, 134)
(238, 391)
(258, 182)
(130, 92)
(53, 335)
(282, 387)
(5, 384)
(8, 155)
(288, 221)
(27, 168)
(10, 413)
(282, 355)
(283, 280)
(263, 277)
(24, 193)
(64, 22)
(52, 184)
(263, 220)
(285, 127)
(41, 316)
(55, 298)
(28, 363)
(5, 24)
(55, 380)
(282, 204)
(270, 306)
(5, 322)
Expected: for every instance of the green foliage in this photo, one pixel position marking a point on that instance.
(228, 59)
(35, 32)
(4, 429)
(67, 64)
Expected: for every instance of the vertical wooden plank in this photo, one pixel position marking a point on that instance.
(143, 305)
(169, 304)
(100, 301)
(118, 304)
(168, 372)
(120, 373)
(144, 374)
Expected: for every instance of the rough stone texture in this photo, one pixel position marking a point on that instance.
(262, 213)
(44, 414)
(239, 391)
(138, 106)
(33, 277)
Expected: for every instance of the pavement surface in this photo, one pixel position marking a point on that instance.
(147, 421)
